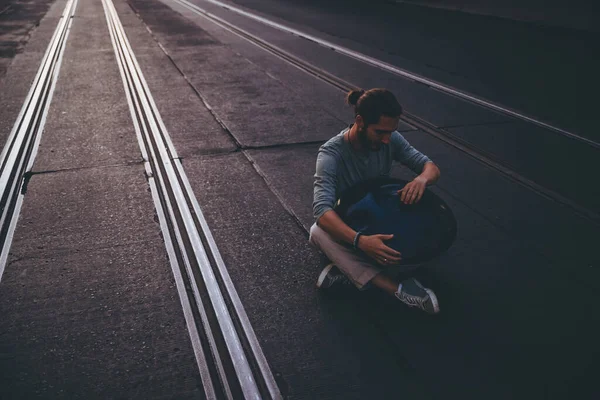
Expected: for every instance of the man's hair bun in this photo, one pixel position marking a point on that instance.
(353, 96)
(374, 103)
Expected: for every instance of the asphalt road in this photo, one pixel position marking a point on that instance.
(543, 71)
(17, 19)
(88, 303)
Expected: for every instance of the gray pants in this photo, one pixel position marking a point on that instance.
(359, 268)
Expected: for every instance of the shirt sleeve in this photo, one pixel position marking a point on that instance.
(325, 184)
(403, 152)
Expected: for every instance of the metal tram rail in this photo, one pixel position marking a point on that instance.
(19, 152)
(230, 359)
(447, 137)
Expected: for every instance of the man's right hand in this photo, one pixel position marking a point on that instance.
(374, 247)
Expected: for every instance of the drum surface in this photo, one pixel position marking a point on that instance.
(422, 231)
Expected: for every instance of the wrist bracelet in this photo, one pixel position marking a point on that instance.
(355, 244)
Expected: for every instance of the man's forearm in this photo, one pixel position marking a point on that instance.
(331, 223)
(430, 173)
(372, 245)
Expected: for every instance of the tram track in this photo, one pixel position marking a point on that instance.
(480, 155)
(229, 357)
(384, 66)
(19, 152)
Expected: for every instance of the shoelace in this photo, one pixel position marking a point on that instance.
(338, 278)
(413, 301)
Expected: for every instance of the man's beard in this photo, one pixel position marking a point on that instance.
(365, 143)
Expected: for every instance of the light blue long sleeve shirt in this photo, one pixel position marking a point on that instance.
(339, 167)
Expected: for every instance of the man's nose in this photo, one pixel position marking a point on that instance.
(386, 139)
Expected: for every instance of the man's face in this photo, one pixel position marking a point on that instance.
(374, 135)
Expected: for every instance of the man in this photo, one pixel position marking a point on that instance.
(361, 152)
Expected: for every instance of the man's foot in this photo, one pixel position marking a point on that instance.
(331, 276)
(413, 294)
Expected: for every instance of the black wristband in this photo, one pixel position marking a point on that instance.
(355, 244)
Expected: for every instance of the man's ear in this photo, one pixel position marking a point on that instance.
(359, 121)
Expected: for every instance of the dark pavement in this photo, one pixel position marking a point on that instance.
(542, 71)
(88, 306)
(17, 20)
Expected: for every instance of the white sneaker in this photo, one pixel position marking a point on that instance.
(413, 294)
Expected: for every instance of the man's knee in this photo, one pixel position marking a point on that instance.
(315, 234)
(319, 237)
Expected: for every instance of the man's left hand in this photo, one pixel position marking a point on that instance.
(413, 191)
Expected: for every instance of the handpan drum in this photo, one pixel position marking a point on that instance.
(422, 231)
